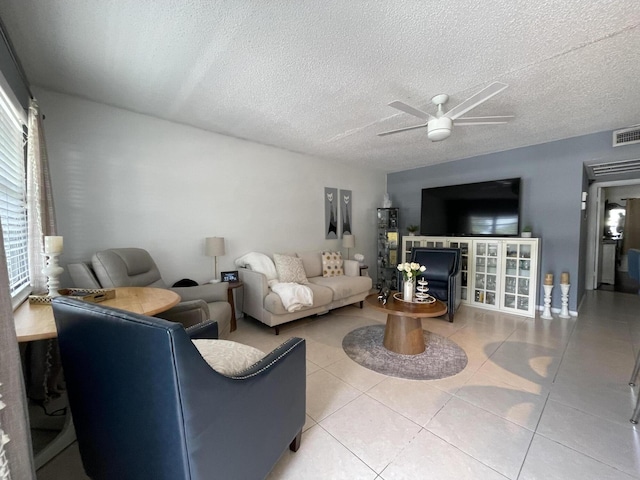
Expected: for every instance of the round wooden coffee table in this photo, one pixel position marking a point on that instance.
(403, 332)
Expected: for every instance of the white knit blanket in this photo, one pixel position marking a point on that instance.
(293, 295)
(259, 262)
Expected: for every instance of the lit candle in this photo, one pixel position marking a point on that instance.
(548, 279)
(564, 278)
(52, 244)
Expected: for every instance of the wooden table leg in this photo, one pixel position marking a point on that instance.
(404, 335)
(231, 301)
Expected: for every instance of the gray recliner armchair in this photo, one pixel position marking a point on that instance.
(134, 267)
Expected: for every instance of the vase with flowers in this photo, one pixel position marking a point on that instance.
(410, 271)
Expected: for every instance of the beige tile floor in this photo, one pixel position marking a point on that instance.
(539, 399)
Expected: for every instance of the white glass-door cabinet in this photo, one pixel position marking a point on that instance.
(485, 274)
(520, 260)
(465, 247)
(496, 272)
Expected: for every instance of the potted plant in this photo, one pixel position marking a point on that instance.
(412, 229)
(526, 231)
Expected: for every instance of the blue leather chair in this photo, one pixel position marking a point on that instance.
(146, 405)
(443, 274)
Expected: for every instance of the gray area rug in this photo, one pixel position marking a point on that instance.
(442, 358)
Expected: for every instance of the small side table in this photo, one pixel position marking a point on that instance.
(232, 287)
(364, 270)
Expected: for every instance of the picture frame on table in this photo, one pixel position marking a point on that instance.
(231, 276)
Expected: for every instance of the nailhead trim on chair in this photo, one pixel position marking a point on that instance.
(266, 367)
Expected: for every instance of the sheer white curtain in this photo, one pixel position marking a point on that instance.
(16, 459)
(40, 209)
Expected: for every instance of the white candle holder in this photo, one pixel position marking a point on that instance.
(52, 270)
(546, 313)
(564, 311)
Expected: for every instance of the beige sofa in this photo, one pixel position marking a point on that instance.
(261, 303)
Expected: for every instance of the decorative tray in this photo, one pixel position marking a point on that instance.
(93, 295)
(428, 299)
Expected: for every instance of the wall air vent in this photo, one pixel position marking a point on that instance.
(626, 136)
(629, 168)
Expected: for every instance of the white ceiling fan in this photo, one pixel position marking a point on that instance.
(439, 126)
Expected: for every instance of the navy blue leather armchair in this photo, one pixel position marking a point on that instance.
(146, 405)
(443, 274)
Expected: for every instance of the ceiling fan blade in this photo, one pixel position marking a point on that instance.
(483, 120)
(475, 100)
(411, 110)
(401, 130)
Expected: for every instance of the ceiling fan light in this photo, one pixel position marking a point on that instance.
(439, 129)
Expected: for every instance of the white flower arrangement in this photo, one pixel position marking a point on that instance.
(411, 270)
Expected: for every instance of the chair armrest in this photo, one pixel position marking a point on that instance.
(351, 268)
(204, 330)
(256, 288)
(209, 292)
(188, 313)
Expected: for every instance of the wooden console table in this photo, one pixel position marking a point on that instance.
(36, 322)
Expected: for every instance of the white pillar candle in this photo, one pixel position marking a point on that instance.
(52, 244)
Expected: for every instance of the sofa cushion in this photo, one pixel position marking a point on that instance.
(228, 358)
(312, 262)
(343, 286)
(332, 264)
(321, 296)
(290, 269)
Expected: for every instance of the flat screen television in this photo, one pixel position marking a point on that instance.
(473, 209)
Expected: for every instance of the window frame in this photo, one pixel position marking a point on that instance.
(13, 111)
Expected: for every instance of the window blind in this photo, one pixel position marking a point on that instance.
(13, 190)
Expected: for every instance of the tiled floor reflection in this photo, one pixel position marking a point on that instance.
(539, 399)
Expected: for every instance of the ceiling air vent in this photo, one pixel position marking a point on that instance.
(626, 136)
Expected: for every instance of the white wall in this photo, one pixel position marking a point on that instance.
(124, 179)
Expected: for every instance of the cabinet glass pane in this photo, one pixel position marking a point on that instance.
(479, 296)
(492, 250)
(511, 267)
(481, 249)
(510, 301)
(523, 303)
(523, 286)
(512, 250)
(492, 265)
(491, 298)
(491, 282)
(525, 268)
(525, 251)
(465, 263)
(479, 280)
(463, 293)
(463, 278)
(464, 248)
(480, 264)
(510, 285)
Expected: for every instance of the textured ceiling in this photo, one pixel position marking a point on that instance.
(316, 76)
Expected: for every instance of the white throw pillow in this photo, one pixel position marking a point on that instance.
(332, 264)
(226, 357)
(290, 269)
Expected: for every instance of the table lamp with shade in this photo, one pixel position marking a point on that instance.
(214, 247)
(348, 242)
